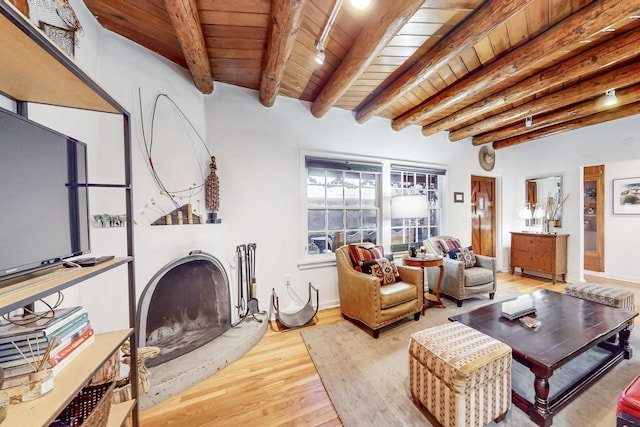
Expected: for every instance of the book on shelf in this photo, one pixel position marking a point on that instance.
(7, 361)
(65, 351)
(45, 325)
(30, 347)
(15, 376)
(7, 367)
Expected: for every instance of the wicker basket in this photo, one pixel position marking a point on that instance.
(90, 408)
(108, 372)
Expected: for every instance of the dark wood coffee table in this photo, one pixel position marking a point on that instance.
(571, 329)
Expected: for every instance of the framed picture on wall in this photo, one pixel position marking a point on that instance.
(458, 197)
(626, 196)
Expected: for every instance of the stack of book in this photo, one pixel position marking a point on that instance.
(517, 308)
(23, 343)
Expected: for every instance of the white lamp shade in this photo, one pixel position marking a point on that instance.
(539, 213)
(525, 213)
(409, 206)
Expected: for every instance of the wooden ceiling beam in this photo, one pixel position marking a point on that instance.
(391, 16)
(22, 6)
(581, 26)
(592, 61)
(594, 119)
(285, 23)
(477, 26)
(624, 96)
(598, 85)
(186, 23)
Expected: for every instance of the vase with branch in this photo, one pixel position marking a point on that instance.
(553, 210)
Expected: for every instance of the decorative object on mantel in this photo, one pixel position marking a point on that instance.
(212, 193)
(58, 21)
(210, 185)
(179, 216)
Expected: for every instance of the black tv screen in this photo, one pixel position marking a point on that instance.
(44, 208)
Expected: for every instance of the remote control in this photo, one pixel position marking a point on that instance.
(91, 261)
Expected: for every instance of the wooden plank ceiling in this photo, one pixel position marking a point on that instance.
(471, 68)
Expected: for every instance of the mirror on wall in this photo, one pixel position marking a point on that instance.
(539, 191)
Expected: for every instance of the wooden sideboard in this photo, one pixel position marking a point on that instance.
(544, 253)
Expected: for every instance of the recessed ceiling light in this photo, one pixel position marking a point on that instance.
(360, 4)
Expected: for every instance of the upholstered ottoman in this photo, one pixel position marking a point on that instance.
(628, 410)
(462, 376)
(613, 297)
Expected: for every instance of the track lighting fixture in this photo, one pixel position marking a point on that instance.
(320, 55)
(610, 98)
(528, 121)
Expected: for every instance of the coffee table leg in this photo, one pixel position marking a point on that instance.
(623, 342)
(540, 413)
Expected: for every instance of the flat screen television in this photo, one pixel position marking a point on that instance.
(44, 204)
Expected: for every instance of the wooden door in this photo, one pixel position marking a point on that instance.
(483, 215)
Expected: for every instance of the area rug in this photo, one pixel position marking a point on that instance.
(367, 379)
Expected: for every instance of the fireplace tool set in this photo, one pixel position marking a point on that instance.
(247, 300)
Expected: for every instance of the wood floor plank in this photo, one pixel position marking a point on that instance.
(276, 383)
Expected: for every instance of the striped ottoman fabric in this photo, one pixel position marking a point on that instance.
(613, 297)
(462, 376)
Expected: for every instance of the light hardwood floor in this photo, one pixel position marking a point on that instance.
(276, 382)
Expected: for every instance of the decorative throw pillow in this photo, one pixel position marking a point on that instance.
(465, 255)
(360, 253)
(385, 270)
(366, 265)
(447, 245)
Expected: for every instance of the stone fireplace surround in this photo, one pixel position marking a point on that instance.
(185, 310)
(156, 246)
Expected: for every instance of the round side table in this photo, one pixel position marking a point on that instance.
(430, 300)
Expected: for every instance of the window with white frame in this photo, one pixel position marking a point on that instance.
(425, 182)
(343, 203)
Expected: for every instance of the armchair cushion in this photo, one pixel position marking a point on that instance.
(385, 270)
(396, 293)
(360, 253)
(366, 265)
(465, 255)
(477, 276)
(447, 245)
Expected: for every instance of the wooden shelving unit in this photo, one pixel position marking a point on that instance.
(36, 70)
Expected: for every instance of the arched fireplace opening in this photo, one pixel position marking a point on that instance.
(184, 306)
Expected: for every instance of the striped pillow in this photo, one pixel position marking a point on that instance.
(447, 245)
(360, 253)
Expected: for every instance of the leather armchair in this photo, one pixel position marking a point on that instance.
(365, 299)
(459, 282)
